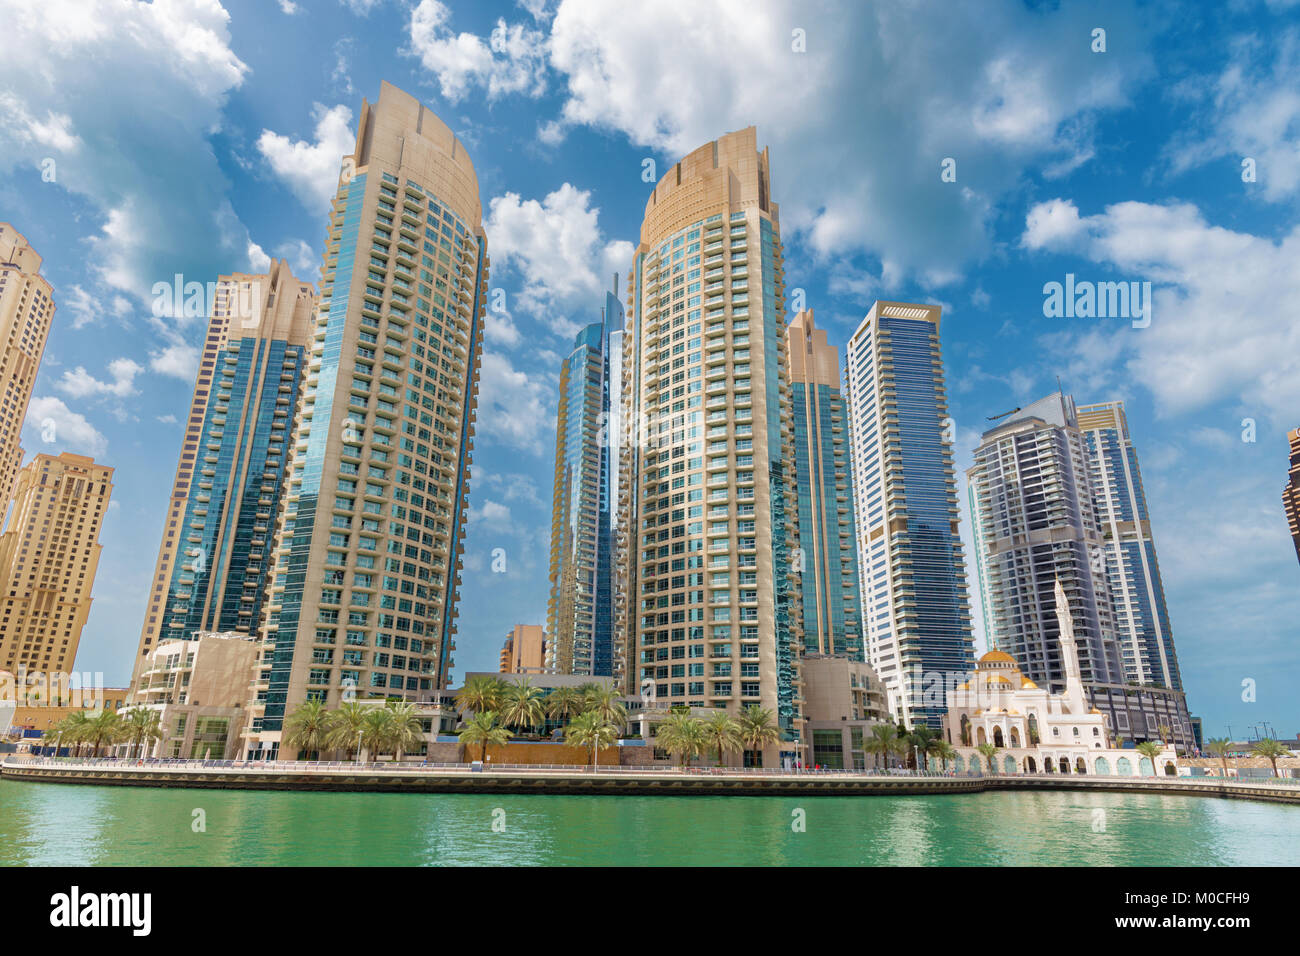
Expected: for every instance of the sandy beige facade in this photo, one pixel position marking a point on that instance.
(704, 591)
(1291, 493)
(524, 651)
(370, 541)
(49, 553)
(26, 311)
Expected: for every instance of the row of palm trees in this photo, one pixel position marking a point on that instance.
(1267, 748)
(354, 728)
(921, 743)
(686, 737)
(88, 734)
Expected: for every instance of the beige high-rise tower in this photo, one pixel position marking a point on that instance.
(214, 557)
(706, 521)
(368, 546)
(26, 310)
(1291, 493)
(49, 553)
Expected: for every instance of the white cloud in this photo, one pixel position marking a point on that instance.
(311, 170)
(512, 407)
(172, 67)
(288, 7)
(48, 416)
(1015, 95)
(78, 383)
(562, 259)
(511, 60)
(1219, 328)
(1252, 110)
(178, 360)
(361, 8)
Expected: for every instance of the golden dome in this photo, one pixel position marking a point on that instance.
(997, 679)
(965, 686)
(1094, 711)
(1027, 684)
(998, 657)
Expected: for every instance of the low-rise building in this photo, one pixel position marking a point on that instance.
(843, 699)
(1033, 729)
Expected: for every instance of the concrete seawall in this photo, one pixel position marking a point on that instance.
(704, 782)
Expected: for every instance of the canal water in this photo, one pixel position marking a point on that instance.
(53, 824)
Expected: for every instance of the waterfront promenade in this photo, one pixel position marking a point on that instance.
(705, 781)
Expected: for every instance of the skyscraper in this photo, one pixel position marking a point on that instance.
(914, 594)
(1057, 502)
(1034, 523)
(705, 495)
(1142, 628)
(580, 612)
(26, 311)
(369, 543)
(524, 651)
(215, 553)
(49, 554)
(828, 556)
(1291, 493)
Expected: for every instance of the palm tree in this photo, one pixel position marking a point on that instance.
(924, 739)
(563, 703)
(591, 732)
(1151, 750)
(1220, 747)
(307, 728)
(142, 726)
(483, 729)
(73, 729)
(103, 729)
(406, 729)
(345, 728)
(377, 731)
(945, 752)
(1270, 750)
(682, 735)
(722, 732)
(521, 705)
(989, 752)
(881, 742)
(480, 694)
(605, 703)
(757, 730)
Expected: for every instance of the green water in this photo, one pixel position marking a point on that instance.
(49, 824)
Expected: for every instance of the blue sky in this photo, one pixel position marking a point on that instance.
(199, 137)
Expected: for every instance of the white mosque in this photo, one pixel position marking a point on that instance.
(1034, 730)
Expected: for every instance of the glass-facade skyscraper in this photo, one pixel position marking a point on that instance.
(827, 557)
(706, 492)
(914, 595)
(369, 544)
(1142, 627)
(1056, 497)
(580, 622)
(215, 551)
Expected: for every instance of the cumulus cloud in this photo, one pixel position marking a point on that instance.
(78, 383)
(556, 249)
(1216, 333)
(177, 360)
(511, 60)
(311, 169)
(513, 407)
(52, 427)
(172, 67)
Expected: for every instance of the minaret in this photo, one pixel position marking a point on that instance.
(1069, 653)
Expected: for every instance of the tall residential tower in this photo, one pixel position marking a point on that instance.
(26, 311)
(1057, 502)
(369, 544)
(580, 613)
(48, 557)
(828, 556)
(914, 596)
(215, 555)
(1291, 493)
(706, 496)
